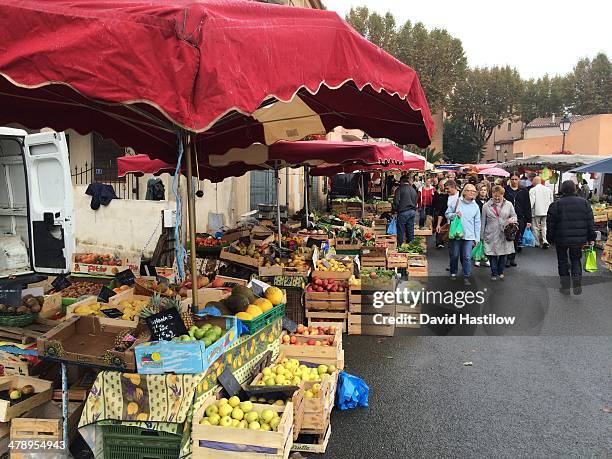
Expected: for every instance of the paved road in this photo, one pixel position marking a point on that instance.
(539, 394)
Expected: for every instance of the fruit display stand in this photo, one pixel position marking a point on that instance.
(606, 255)
(396, 259)
(87, 303)
(13, 407)
(314, 448)
(424, 232)
(374, 257)
(418, 266)
(240, 259)
(379, 226)
(346, 244)
(362, 312)
(326, 319)
(325, 272)
(326, 301)
(211, 442)
(382, 207)
(386, 240)
(5, 438)
(317, 410)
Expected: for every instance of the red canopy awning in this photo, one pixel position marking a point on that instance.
(281, 154)
(234, 72)
(410, 161)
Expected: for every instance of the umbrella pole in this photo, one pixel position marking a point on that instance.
(192, 223)
(306, 186)
(278, 217)
(362, 195)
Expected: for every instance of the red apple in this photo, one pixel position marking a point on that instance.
(293, 340)
(311, 342)
(300, 329)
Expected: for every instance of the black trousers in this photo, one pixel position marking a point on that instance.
(569, 261)
(522, 225)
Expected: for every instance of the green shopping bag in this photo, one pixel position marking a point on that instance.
(456, 229)
(590, 260)
(478, 252)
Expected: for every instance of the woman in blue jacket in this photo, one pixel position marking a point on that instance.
(461, 249)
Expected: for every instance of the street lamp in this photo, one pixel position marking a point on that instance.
(564, 126)
(497, 148)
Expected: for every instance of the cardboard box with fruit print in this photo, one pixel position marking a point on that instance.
(194, 353)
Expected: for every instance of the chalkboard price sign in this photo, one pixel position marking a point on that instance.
(113, 313)
(11, 296)
(166, 325)
(105, 294)
(60, 283)
(126, 277)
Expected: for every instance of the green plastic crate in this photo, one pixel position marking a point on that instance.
(129, 442)
(264, 319)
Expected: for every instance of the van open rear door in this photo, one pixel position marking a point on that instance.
(50, 202)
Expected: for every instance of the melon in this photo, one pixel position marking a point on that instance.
(237, 303)
(254, 310)
(274, 295)
(264, 304)
(244, 316)
(245, 291)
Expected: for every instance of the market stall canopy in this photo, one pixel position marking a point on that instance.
(233, 72)
(239, 161)
(495, 172)
(410, 161)
(604, 166)
(557, 162)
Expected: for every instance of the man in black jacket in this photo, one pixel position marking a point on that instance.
(519, 197)
(570, 226)
(405, 204)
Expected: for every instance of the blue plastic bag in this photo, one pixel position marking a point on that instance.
(528, 239)
(392, 228)
(351, 392)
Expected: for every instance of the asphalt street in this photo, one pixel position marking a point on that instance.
(543, 390)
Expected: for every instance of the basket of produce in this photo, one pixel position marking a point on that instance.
(22, 315)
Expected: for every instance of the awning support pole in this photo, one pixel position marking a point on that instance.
(362, 195)
(306, 194)
(278, 217)
(192, 223)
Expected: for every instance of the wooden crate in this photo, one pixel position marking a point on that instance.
(408, 310)
(11, 364)
(386, 240)
(291, 271)
(344, 243)
(317, 410)
(5, 438)
(423, 232)
(326, 301)
(322, 355)
(382, 207)
(240, 259)
(600, 218)
(42, 393)
(276, 445)
(44, 423)
(103, 319)
(270, 271)
(417, 267)
(360, 300)
(396, 259)
(319, 447)
(339, 275)
(363, 324)
(325, 319)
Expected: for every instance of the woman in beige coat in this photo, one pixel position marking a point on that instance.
(496, 214)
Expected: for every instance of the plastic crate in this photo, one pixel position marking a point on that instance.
(294, 307)
(128, 442)
(264, 319)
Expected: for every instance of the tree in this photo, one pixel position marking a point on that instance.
(462, 143)
(435, 55)
(543, 97)
(485, 98)
(430, 154)
(590, 86)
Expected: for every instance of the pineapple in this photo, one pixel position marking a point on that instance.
(154, 307)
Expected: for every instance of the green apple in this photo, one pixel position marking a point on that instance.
(280, 380)
(217, 330)
(251, 416)
(205, 327)
(252, 398)
(296, 381)
(266, 371)
(192, 329)
(225, 410)
(322, 369)
(266, 415)
(198, 334)
(254, 425)
(234, 401)
(246, 406)
(237, 414)
(225, 421)
(214, 419)
(265, 427)
(212, 409)
(270, 382)
(331, 369)
(279, 403)
(235, 423)
(223, 401)
(275, 422)
(243, 424)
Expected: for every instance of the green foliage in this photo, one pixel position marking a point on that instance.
(462, 143)
(543, 97)
(430, 154)
(590, 86)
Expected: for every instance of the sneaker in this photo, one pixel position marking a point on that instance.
(578, 290)
(466, 282)
(476, 263)
(487, 264)
(545, 245)
(564, 291)
(494, 278)
(440, 246)
(513, 263)
(502, 277)
(453, 277)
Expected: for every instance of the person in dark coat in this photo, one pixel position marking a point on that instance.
(439, 204)
(570, 226)
(519, 197)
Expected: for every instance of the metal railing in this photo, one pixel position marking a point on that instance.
(125, 187)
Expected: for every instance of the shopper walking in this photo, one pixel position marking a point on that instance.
(482, 196)
(405, 204)
(461, 249)
(570, 226)
(585, 191)
(519, 197)
(425, 200)
(439, 204)
(540, 197)
(497, 213)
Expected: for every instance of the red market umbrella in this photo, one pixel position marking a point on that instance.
(410, 161)
(495, 172)
(208, 75)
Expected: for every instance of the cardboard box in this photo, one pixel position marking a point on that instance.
(186, 357)
(85, 339)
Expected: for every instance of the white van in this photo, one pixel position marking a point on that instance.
(36, 205)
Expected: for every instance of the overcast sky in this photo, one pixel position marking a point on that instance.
(535, 36)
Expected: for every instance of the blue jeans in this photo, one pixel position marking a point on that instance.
(405, 226)
(498, 263)
(461, 249)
